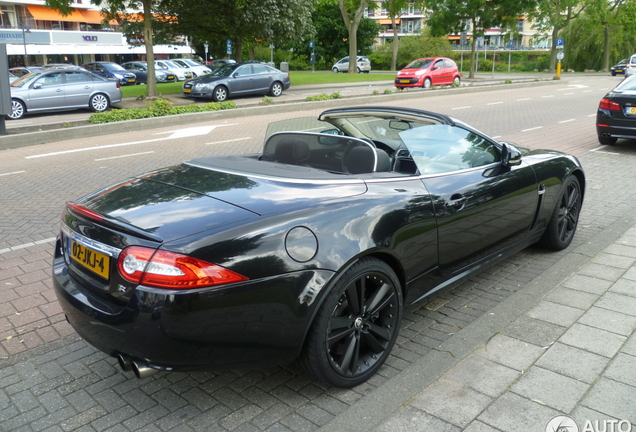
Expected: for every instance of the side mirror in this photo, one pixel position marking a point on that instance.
(510, 155)
(37, 86)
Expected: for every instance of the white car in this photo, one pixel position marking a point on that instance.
(342, 65)
(180, 72)
(196, 67)
(630, 67)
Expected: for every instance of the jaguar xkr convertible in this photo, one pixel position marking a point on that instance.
(308, 250)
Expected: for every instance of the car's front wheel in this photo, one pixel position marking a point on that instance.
(219, 94)
(456, 81)
(99, 102)
(335, 70)
(18, 109)
(565, 217)
(276, 89)
(356, 326)
(427, 83)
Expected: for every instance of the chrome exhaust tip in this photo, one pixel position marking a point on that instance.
(125, 362)
(142, 369)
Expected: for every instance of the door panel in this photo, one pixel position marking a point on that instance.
(48, 94)
(78, 88)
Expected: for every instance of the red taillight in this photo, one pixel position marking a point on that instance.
(83, 211)
(118, 86)
(170, 270)
(609, 105)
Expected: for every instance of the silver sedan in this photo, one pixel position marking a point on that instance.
(62, 89)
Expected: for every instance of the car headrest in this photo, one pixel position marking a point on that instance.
(291, 151)
(384, 161)
(361, 160)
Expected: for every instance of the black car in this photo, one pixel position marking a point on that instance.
(619, 68)
(310, 249)
(616, 115)
(113, 71)
(238, 79)
(140, 69)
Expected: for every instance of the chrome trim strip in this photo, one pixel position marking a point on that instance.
(89, 243)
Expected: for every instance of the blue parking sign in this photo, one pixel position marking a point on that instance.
(559, 43)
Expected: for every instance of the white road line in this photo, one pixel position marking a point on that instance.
(463, 107)
(524, 99)
(606, 152)
(531, 129)
(548, 96)
(587, 91)
(26, 245)
(227, 141)
(566, 121)
(12, 173)
(565, 94)
(124, 156)
(177, 134)
(592, 115)
(494, 103)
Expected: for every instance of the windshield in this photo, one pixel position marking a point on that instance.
(628, 84)
(420, 64)
(114, 67)
(25, 80)
(225, 70)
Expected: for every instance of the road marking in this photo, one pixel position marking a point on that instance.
(463, 107)
(524, 99)
(494, 103)
(587, 91)
(605, 152)
(124, 156)
(12, 173)
(566, 121)
(180, 133)
(565, 94)
(592, 115)
(531, 129)
(227, 141)
(549, 96)
(26, 245)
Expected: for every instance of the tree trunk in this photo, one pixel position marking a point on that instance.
(238, 49)
(553, 50)
(151, 85)
(352, 28)
(396, 41)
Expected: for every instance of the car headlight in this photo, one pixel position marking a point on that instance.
(161, 75)
(119, 76)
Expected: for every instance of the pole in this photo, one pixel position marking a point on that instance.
(26, 56)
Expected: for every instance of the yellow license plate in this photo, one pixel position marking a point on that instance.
(131, 80)
(632, 110)
(91, 259)
(170, 76)
(405, 81)
(187, 90)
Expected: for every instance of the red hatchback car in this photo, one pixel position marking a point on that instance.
(427, 72)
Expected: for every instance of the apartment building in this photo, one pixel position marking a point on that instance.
(45, 36)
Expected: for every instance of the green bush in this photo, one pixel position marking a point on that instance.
(157, 108)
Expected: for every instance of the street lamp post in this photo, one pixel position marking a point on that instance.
(26, 56)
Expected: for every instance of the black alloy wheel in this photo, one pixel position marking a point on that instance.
(356, 326)
(565, 218)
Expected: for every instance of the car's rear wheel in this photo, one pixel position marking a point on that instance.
(565, 216)
(607, 140)
(276, 89)
(219, 94)
(18, 109)
(456, 81)
(99, 102)
(427, 83)
(356, 326)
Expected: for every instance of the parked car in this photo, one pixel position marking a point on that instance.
(62, 89)
(342, 65)
(140, 69)
(23, 70)
(197, 68)
(63, 66)
(427, 72)
(113, 71)
(630, 67)
(311, 249)
(238, 79)
(220, 62)
(180, 72)
(616, 114)
(12, 77)
(619, 68)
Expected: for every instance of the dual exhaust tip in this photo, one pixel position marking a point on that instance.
(140, 368)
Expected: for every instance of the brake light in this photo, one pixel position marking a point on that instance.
(117, 83)
(163, 269)
(83, 211)
(607, 104)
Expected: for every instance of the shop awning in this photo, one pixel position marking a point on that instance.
(45, 14)
(388, 21)
(92, 17)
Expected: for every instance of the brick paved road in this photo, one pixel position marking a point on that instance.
(51, 380)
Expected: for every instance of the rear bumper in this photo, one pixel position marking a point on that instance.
(609, 127)
(255, 323)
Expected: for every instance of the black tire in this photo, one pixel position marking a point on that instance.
(219, 94)
(607, 140)
(276, 89)
(335, 70)
(457, 81)
(427, 83)
(359, 70)
(565, 217)
(356, 326)
(99, 102)
(18, 109)
(613, 73)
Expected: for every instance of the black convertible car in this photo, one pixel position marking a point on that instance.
(310, 249)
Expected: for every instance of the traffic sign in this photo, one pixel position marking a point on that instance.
(559, 43)
(560, 55)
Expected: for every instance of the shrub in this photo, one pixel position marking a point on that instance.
(157, 108)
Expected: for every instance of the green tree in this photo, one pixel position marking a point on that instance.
(451, 17)
(612, 15)
(395, 9)
(552, 16)
(112, 9)
(411, 48)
